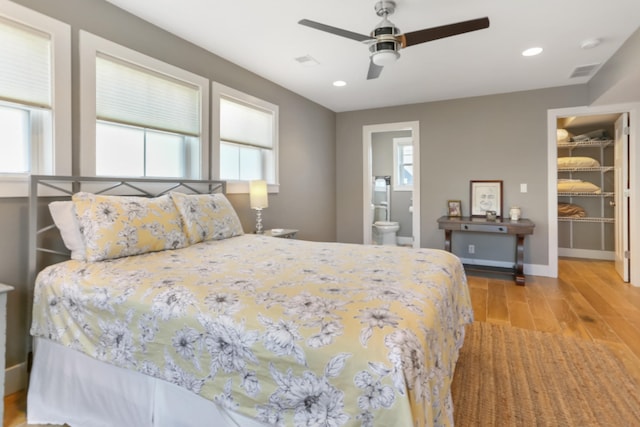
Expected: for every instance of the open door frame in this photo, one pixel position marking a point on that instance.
(621, 156)
(367, 132)
(634, 179)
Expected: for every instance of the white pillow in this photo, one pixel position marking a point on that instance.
(577, 162)
(64, 216)
(562, 135)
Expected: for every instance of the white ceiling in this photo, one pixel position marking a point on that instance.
(265, 38)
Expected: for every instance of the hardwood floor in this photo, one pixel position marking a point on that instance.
(588, 301)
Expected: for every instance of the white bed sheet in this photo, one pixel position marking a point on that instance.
(58, 394)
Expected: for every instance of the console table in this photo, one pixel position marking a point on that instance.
(519, 228)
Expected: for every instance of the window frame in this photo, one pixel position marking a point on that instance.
(397, 162)
(90, 46)
(219, 91)
(54, 159)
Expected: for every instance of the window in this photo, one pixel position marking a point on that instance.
(403, 164)
(155, 113)
(149, 153)
(247, 140)
(14, 122)
(35, 70)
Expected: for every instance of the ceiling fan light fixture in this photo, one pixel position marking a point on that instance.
(385, 57)
(384, 52)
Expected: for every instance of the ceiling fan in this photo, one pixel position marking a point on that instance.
(385, 40)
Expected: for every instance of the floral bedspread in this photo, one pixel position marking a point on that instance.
(285, 331)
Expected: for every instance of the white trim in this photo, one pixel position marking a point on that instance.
(90, 45)
(587, 254)
(527, 269)
(18, 185)
(404, 241)
(15, 378)
(219, 90)
(634, 168)
(367, 132)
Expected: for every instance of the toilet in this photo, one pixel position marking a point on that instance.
(384, 232)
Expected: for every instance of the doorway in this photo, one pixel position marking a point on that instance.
(592, 200)
(391, 152)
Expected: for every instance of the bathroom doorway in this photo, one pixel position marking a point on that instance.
(391, 152)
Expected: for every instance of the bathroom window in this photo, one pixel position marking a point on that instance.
(403, 164)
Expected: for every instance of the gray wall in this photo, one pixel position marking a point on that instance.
(490, 137)
(307, 144)
(618, 80)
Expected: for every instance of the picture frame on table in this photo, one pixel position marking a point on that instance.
(486, 195)
(454, 208)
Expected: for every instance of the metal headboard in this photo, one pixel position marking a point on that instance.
(45, 188)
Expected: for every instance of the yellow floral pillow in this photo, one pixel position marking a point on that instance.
(118, 226)
(207, 216)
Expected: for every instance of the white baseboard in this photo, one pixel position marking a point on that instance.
(404, 241)
(587, 253)
(529, 269)
(15, 378)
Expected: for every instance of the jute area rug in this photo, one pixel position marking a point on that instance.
(509, 376)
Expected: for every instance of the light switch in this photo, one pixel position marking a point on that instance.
(523, 188)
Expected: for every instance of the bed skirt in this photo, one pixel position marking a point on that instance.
(68, 387)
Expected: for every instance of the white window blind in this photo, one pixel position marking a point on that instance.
(25, 65)
(132, 95)
(245, 124)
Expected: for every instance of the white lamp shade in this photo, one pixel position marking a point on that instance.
(385, 57)
(258, 197)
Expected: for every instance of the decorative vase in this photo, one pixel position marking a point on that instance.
(514, 213)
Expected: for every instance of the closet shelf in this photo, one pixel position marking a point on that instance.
(577, 194)
(586, 219)
(597, 169)
(581, 144)
(594, 231)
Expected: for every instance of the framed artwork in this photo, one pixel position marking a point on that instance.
(486, 196)
(454, 208)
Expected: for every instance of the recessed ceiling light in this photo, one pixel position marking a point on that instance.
(590, 43)
(533, 51)
(339, 83)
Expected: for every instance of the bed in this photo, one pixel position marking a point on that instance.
(221, 328)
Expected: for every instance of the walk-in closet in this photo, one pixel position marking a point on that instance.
(592, 173)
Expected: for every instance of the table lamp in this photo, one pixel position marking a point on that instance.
(258, 199)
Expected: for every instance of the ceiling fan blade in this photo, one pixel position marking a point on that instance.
(334, 30)
(374, 70)
(435, 33)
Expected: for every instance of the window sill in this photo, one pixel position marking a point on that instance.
(242, 187)
(403, 188)
(14, 185)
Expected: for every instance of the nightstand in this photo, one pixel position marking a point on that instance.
(286, 233)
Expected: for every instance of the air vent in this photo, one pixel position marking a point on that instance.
(307, 61)
(584, 70)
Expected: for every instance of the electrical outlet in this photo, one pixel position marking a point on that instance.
(472, 249)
